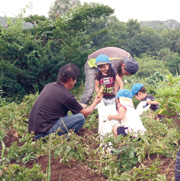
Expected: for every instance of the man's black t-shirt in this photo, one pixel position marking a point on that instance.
(54, 102)
(108, 81)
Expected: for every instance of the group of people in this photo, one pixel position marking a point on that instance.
(105, 67)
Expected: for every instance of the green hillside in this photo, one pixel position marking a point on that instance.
(4, 22)
(160, 25)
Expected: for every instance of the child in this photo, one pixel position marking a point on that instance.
(127, 115)
(147, 101)
(106, 77)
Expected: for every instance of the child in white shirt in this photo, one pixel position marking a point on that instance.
(127, 115)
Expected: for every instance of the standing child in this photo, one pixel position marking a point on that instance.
(106, 77)
(147, 101)
(130, 122)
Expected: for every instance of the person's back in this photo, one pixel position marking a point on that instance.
(132, 119)
(121, 61)
(114, 54)
(127, 115)
(50, 106)
(50, 111)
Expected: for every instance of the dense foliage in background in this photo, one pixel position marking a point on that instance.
(5, 22)
(30, 58)
(161, 25)
(61, 7)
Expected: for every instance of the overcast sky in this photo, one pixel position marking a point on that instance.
(142, 10)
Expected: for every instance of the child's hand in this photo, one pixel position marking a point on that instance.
(109, 117)
(149, 101)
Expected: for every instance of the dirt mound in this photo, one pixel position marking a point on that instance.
(60, 171)
(166, 165)
(76, 172)
(11, 137)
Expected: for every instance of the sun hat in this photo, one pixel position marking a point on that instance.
(135, 88)
(102, 59)
(124, 93)
(131, 65)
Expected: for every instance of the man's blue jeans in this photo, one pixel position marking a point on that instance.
(177, 166)
(64, 124)
(90, 75)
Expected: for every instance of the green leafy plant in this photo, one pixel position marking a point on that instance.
(123, 163)
(169, 95)
(142, 173)
(17, 172)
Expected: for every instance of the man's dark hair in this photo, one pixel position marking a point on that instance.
(68, 71)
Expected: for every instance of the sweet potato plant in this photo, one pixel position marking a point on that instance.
(141, 158)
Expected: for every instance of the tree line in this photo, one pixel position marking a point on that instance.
(30, 58)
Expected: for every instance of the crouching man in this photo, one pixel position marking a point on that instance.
(50, 111)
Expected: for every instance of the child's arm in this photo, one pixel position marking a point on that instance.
(152, 102)
(118, 83)
(120, 116)
(96, 86)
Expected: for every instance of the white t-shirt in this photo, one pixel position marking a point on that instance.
(132, 119)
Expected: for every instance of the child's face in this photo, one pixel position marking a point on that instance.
(104, 68)
(138, 96)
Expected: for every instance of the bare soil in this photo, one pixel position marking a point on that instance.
(60, 171)
(76, 172)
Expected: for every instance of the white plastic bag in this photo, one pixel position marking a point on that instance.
(104, 123)
(142, 107)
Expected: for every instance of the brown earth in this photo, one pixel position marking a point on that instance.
(60, 171)
(166, 167)
(76, 172)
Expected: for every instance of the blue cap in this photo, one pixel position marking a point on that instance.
(102, 59)
(135, 88)
(124, 93)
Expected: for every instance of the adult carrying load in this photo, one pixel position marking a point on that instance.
(121, 61)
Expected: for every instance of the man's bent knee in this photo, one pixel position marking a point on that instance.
(81, 117)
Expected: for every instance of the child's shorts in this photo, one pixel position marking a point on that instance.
(122, 130)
